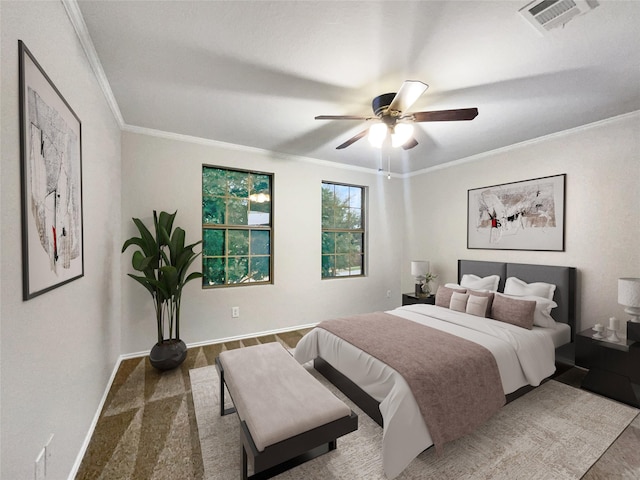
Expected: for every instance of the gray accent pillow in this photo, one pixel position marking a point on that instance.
(443, 295)
(513, 311)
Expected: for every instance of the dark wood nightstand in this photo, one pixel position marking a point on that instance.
(614, 368)
(411, 299)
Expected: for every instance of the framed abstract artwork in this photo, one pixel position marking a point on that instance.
(524, 215)
(51, 175)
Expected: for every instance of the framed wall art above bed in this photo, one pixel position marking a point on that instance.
(524, 215)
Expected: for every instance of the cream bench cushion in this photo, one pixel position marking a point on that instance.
(275, 396)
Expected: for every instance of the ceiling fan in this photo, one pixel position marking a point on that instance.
(393, 120)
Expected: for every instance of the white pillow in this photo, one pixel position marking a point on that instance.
(477, 305)
(459, 301)
(489, 283)
(542, 314)
(515, 286)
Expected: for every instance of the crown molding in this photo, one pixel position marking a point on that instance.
(243, 148)
(515, 146)
(75, 15)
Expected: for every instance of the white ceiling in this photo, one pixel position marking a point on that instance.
(255, 73)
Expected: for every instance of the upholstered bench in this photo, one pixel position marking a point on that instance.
(286, 416)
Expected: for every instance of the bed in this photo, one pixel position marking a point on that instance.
(524, 357)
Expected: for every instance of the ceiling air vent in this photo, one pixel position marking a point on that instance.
(547, 14)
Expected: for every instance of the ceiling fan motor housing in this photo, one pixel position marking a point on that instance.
(381, 102)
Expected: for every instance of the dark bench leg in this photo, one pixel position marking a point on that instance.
(223, 411)
(244, 464)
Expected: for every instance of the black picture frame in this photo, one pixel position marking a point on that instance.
(51, 182)
(522, 215)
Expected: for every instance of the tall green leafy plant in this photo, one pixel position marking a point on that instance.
(163, 260)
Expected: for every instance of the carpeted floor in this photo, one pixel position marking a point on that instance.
(148, 429)
(553, 432)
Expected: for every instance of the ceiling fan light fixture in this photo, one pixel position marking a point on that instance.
(377, 134)
(401, 135)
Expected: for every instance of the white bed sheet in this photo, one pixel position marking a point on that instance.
(523, 356)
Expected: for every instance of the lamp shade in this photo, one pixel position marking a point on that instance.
(377, 134)
(402, 132)
(629, 292)
(419, 268)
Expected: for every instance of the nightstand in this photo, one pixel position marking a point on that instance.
(614, 368)
(411, 299)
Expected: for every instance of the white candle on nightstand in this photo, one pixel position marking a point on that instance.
(614, 324)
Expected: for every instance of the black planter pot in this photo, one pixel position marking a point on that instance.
(168, 355)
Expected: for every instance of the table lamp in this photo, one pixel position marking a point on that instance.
(629, 296)
(419, 269)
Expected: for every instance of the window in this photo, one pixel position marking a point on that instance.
(237, 233)
(342, 230)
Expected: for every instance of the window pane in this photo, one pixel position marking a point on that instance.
(237, 212)
(238, 241)
(214, 182)
(342, 265)
(342, 195)
(213, 243)
(328, 265)
(259, 213)
(238, 183)
(355, 264)
(261, 184)
(213, 211)
(260, 242)
(353, 219)
(356, 242)
(260, 269)
(355, 197)
(238, 269)
(328, 242)
(213, 271)
(343, 242)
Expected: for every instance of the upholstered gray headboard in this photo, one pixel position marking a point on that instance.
(564, 278)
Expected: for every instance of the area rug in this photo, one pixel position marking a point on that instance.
(555, 431)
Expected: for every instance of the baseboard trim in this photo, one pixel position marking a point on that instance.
(127, 356)
(121, 358)
(94, 422)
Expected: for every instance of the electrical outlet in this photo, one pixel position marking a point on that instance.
(40, 466)
(388, 293)
(235, 312)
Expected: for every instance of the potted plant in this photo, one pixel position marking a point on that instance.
(163, 260)
(426, 288)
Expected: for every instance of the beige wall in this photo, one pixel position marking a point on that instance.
(166, 174)
(602, 164)
(57, 350)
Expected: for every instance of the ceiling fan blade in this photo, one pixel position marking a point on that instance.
(412, 142)
(343, 117)
(409, 92)
(353, 139)
(444, 115)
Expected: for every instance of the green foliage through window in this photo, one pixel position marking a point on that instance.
(342, 230)
(236, 227)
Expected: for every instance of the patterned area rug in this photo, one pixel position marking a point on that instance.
(555, 431)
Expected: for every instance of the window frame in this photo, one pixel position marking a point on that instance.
(362, 231)
(225, 228)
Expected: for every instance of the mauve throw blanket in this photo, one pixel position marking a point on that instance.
(455, 382)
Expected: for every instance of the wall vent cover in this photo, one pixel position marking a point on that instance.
(545, 15)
